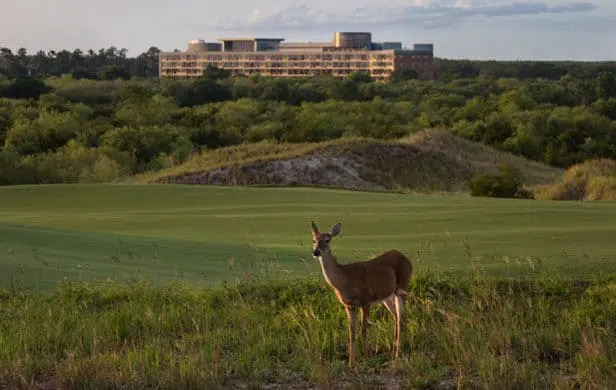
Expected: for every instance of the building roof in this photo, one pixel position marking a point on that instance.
(306, 44)
(251, 39)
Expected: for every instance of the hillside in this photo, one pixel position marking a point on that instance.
(431, 160)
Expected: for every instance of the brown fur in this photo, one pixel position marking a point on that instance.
(383, 279)
(375, 279)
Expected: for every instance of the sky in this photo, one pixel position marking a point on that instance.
(470, 29)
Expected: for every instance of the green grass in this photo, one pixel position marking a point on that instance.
(550, 324)
(471, 332)
(209, 234)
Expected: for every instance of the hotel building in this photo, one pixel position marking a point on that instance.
(348, 52)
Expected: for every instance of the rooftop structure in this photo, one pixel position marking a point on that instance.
(250, 44)
(348, 52)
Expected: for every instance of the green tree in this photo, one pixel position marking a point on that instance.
(402, 75)
(26, 87)
(214, 73)
(360, 77)
(508, 183)
(606, 85)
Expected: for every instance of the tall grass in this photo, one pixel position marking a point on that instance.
(591, 180)
(479, 331)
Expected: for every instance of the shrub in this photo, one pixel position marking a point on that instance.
(591, 180)
(508, 183)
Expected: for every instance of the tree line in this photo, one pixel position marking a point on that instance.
(104, 64)
(69, 129)
(110, 63)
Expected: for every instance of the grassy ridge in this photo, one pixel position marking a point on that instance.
(471, 332)
(430, 160)
(209, 234)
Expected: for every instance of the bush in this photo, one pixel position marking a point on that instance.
(591, 180)
(509, 183)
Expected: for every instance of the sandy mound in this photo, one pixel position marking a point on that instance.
(427, 161)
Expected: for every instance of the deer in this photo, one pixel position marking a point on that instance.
(359, 285)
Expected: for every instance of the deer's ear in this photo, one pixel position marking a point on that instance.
(335, 230)
(315, 230)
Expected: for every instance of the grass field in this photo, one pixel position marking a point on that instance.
(209, 234)
(467, 329)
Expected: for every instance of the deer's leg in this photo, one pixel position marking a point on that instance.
(352, 317)
(390, 304)
(398, 306)
(365, 314)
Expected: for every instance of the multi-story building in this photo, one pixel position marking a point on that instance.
(348, 52)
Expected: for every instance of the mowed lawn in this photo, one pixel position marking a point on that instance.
(208, 234)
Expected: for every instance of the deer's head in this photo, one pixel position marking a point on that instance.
(320, 241)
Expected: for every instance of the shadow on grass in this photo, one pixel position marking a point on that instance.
(38, 258)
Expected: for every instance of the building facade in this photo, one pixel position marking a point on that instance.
(347, 53)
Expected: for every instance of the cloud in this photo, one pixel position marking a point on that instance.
(422, 13)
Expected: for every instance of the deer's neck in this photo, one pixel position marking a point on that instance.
(331, 270)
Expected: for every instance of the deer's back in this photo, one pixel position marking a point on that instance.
(377, 279)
